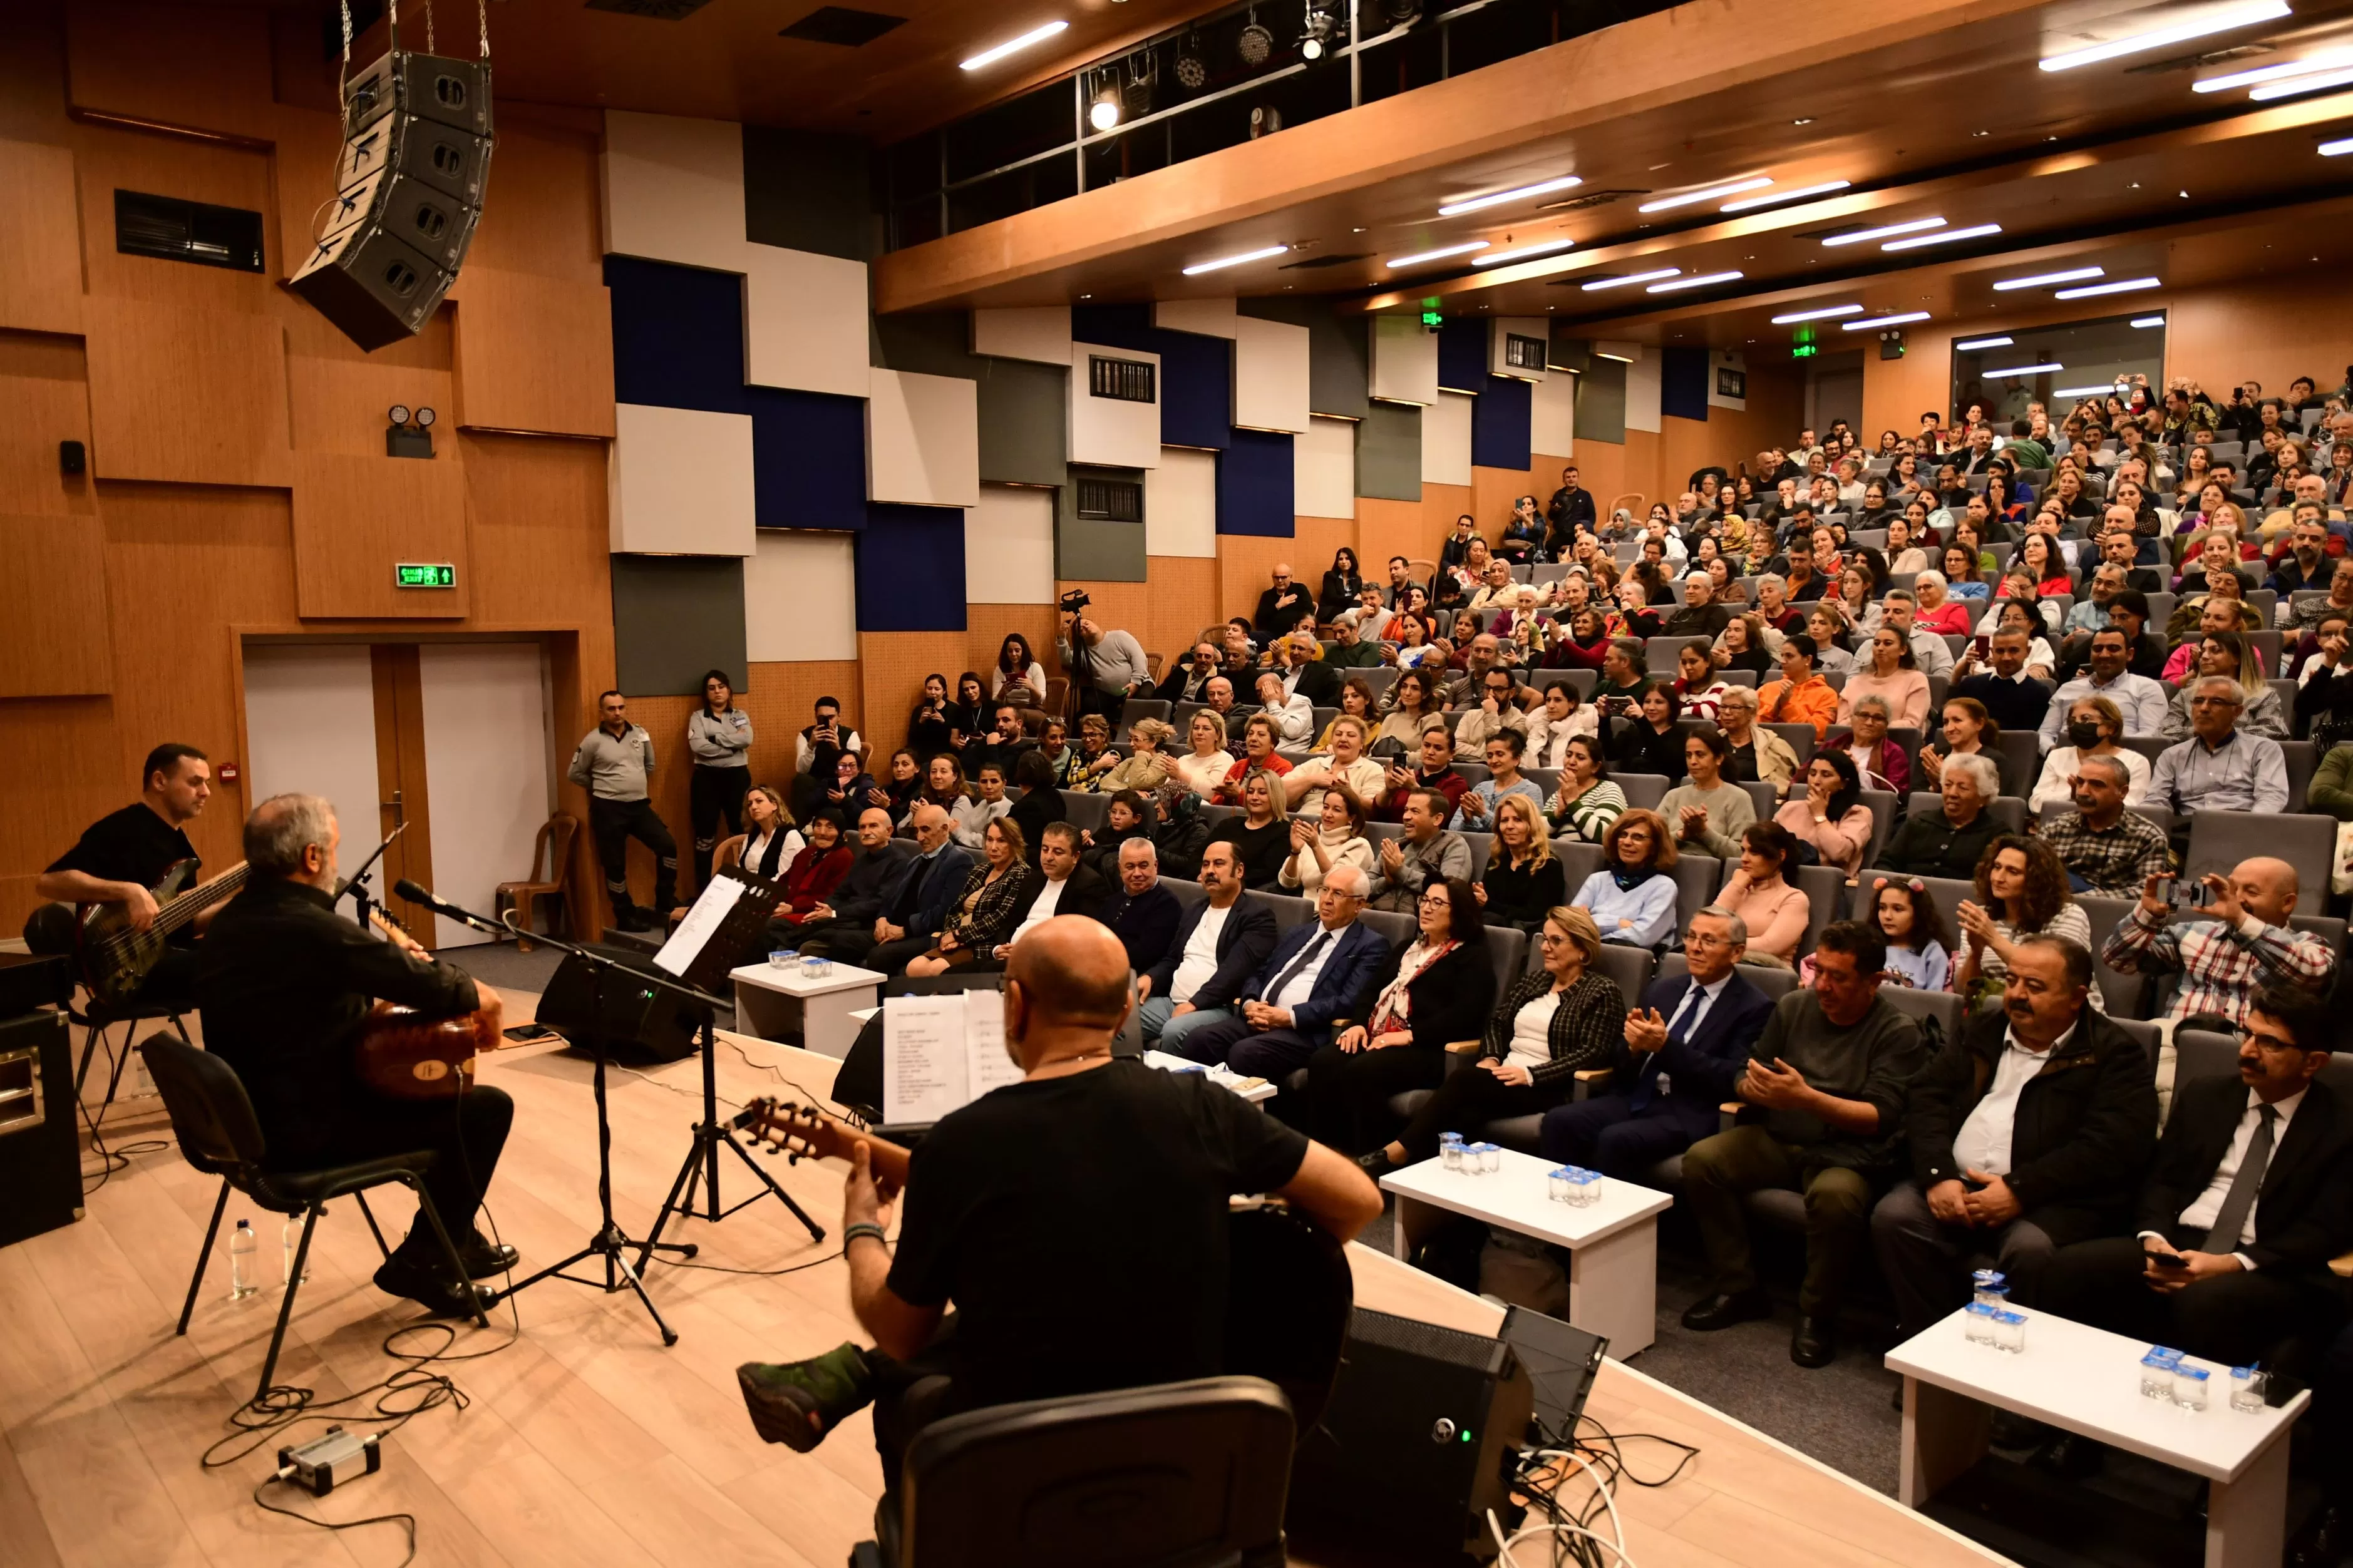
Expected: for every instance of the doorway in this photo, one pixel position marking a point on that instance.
(1835, 391)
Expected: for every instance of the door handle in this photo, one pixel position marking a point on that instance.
(399, 815)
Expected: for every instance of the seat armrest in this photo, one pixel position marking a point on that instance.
(1729, 1115)
(1583, 1081)
(1461, 1056)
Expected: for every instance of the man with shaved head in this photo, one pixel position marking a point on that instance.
(1077, 1221)
(2241, 941)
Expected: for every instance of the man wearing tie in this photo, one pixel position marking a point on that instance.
(1688, 1044)
(915, 902)
(1288, 1007)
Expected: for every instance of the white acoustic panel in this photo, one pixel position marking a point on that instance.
(681, 481)
(1535, 344)
(1210, 318)
(1642, 394)
(922, 439)
(673, 189)
(486, 767)
(1446, 440)
(1042, 333)
(1552, 422)
(1405, 360)
(1270, 375)
(804, 321)
(1008, 547)
(1324, 470)
(800, 598)
(1112, 432)
(310, 729)
(1180, 504)
(1720, 361)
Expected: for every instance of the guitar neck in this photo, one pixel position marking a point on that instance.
(197, 900)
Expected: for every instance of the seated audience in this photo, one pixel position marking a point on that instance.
(1495, 708)
(1432, 768)
(1950, 842)
(1708, 813)
(982, 915)
(943, 786)
(1894, 675)
(1127, 815)
(1562, 717)
(1908, 921)
(1879, 762)
(1632, 897)
(1205, 767)
(1312, 977)
(1141, 912)
(1586, 804)
(1774, 912)
(1522, 880)
(2022, 887)
(2220, 767)
(1041, 802)
(856, 902)
(1218, 945)
(1063, 886)
(1830, 819)
(1476, 810)
(2241, 941)
(2138, 700)
(1293, 715)
(2227, 656)
(1403, 867)
(1261, 830)
(1188, 678)
(769, 845)
(1147, 765)
(1178, 828)
(817, 871)
(2104, 847)
(1331, 835)
(1969, 731)
(1757, 754)
(1343, 762)
(998, 747)
(972, 814)
(1258, 755)
(1800, 696)
(2093, 725)
(915, 903)
(1650, 742)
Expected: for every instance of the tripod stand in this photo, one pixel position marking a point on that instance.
(702, 1164)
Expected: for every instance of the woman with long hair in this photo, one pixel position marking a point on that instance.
(2022, 887)
(1333, 836)
(1261, 831)
(770, 844)
(996, 893)
(897, 794)
(1892, 675)
(1019, 678)
(1341, 585)
(1357, 702)
(932, 728)
(1776, 913)
(1147, 764)
(1587, 803)
(719, 737)
(968, 714)
(1830, 818)
(1413, 708)
(1710, 813)
(1632, 897)
(1698, 691)
(1652, 744)
(1205, 766)
(1522, 880)
(1969, 731)
(944, 785)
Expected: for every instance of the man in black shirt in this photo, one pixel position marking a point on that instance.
(124, 854)
(1570, 511)
(1076, 1219)
(286, 984)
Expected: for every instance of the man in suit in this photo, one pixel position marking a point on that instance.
(1688, 1044)
(916, 902)
(1287, 1009)
(1219, 944)
(1141, 912)
(2027, 1131)
(1280, 607)
(857, 903)
(1066, 887)
(2250, 1196)
(1188, 681)
(1305, 675)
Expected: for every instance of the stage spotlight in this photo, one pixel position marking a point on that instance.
(1315, 42)
(1256, 43)
(1104, 108)
(1143, 76)
(1192, 70)
(1401, 13)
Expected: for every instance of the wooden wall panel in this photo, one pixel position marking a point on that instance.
(82, 775)
(539, 210)
(41, 266)
(337, 395)
(205, 67)
(782, 700)
(301, 184)
(45, 387)
(891, 670)
(988, 626)
(55, 640)
(1440, 504)
(1387, 528)
(535, 353)
(355, 518)
(187, 395)
(1492, 492)
(535, 521)
(1245, 570)
(110, 158)
(1319, 538)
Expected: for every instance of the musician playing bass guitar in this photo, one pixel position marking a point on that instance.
(124, 852)
(1078, 1220)
(287, 984)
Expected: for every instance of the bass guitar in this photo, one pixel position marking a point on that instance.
(114, 959)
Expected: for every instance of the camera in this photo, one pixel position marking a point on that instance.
(1074, 601)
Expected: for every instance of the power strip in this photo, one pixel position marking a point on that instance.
(317, 1465)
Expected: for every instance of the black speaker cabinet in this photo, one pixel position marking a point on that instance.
(40, 1159)
(634, 1020)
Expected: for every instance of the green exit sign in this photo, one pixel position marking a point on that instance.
(426, 574)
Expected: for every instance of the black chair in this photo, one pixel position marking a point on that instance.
(50, 932)
(219, 1136)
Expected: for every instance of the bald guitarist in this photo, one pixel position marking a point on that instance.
(287, 984)
(124, 852)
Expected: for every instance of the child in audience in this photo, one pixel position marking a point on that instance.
(1915, 931)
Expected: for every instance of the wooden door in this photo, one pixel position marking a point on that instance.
(402, 798)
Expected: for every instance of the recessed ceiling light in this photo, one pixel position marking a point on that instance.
(1977, 231)
(2295, 86)
(1730, 188)
(2201, 21)
(1422, 255)
(1975, 134)
(2337, 149)
(2022, 370)
(1983, 343)
(2042, 279)
(1521, 253)
(2149, 321)
(1497, 198)
(1012, 45)
(1770, 197)
(1896, 320)
(1808, 120)
(1885, 231)
(1225, 261)
(2322, 61)
(2125, 287)
(1621, 359)
(1701, 281)
(1631, 278)
(1823, 314)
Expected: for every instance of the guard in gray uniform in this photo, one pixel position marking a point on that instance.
(718, 738)
(615, 764)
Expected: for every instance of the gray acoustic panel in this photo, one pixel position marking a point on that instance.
(1389, 452)
(927, 342)
(675, 616)
(1601, 402)
(1339, 352)
(1088, 550)
(1569, 351)
(808, 192)
(1025, 424)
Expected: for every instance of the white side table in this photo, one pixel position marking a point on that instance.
(1613, 1246)
(771, 1004)
(1167, 1061)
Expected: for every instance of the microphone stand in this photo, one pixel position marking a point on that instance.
(356, 884)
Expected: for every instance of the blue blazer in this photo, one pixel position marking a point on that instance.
(944, 878)
(1705, 1067)
(1356, 959)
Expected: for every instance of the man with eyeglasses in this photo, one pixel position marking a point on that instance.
(1312, 975)
(2220, 767)
(1280, 607)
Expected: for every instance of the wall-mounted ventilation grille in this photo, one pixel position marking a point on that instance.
(171, 229)
(1523, 352)
(1127, 379)
(841, 24)
(1112, 501)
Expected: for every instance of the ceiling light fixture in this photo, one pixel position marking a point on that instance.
(1422, 255)
(2202, 21)
(1701, 281)
(2042, 279)
(1731, 188)
(1545, 247)
(2082, 390)
(1885, 231)
(1315, 40)
(1983, 343)
(1104, 108)
(1254, 44)
(1977, 231)
(2297, 86)
(2125, 287)
(1771, 197)
(1497, 198)
(2337, 149)
(2022, 370)
(1013, 46)
(1631, 278)
(2304, 67)
(1621, 359)
(1221, 263)
(1822, 315)
(1896, 320)
(2149, 321)
(1192, 70)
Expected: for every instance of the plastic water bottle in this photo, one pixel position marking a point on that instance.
(2156, 1373)
(1978, 1323)
(1449, 1151)
(1990, 1287)
(289, 1242)
(243, 1251)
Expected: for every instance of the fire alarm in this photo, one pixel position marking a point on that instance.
(227, 773)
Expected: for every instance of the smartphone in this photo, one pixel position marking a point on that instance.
(530, 1032)
(1980, 647)
(2168, 1259)
(2188, 894)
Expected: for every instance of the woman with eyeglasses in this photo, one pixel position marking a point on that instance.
(1632, 897)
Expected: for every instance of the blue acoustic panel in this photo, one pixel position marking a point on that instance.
(1462, 355)
(1500, 422)
(678, 335)
(1254, 485)
(1683, 384)
(1197, 389)
(809, 460)
(910, 569)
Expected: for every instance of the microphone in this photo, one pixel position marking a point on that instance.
(439, 906)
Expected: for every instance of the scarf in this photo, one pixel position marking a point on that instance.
(1394, 1008)
(1630, 880)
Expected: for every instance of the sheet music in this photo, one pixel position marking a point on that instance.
(685, 943)
(987, 1064)
(926, 1057)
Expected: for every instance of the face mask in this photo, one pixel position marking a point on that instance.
(2082, 733)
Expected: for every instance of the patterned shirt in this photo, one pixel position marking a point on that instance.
(2220, 965)
(2118, 859)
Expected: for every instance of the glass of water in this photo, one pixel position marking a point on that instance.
(2249, 1389)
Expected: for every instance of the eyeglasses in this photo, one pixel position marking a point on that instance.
(2216, 703)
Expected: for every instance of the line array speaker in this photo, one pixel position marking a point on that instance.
(408, 191)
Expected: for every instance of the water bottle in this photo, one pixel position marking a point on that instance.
(1990, 1287)
(289, 1242)
(242, 1251)
(1449, 1151)
(2156, 1373)
(1979, 1323)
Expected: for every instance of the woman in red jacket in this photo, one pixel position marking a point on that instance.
(817, 870)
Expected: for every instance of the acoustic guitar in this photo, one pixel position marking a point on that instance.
(114, 959)
(403, 1055)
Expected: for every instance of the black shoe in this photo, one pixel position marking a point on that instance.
(2009, 1429)
(1375, 1164)
(1721, 1311)
(797, 1403)
(485, 1259)
(2076, 1459)
(1815, 1344)
(430, 1285)
(632, 919)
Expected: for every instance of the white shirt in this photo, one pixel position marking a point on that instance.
(1041, 910)
(1302, 986)
(1532, 1032)
(1200, 959)
(2202, 1213)
(1983, 1141)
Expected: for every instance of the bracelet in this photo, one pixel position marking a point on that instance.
(852, 1232)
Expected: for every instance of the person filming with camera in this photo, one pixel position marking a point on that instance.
(1105, 669)
(2237, 939)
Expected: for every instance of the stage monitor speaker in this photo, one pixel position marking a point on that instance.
(408, 193)
(636, 1022)
(41, 1157)
(1417, 1444)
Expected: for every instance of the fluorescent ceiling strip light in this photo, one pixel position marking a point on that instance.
(1977, 231)
(2042, 279)
(1885, 231)
(1770, 197)
(1543, 247)
(2082, 390)
(2207, 21)
(2149, 321)
(1633, 278)
(2022, 370)
(1420, 256)
(1883, 322)
(2337, 149)
(2125, 287)
(2304, 67)
(1982, 344)
(1496, 199)
(1621, 359)
(1034, 35)
(2297, 86)
(1225, 261)
(1822, 315)
(1702, 281)
(1730, 188)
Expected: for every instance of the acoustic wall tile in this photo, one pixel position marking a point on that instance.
(1404, 361)
(1113, 432)
(1025, 422)
(1499, 424)
(1180, 505)
(923, 443)
(1642, 393)
(1338, 368)
(800, 598)
(40, 262)
(1683, 382)
(533, 354)
(1462, 353)
(1601, 401)
(1270, 374)
(804, 321)
(678, 335)
(1389, 452)
(1096, 548)
(145, 424)
(1196, 390)
(1446, 440)
(929, 342)
(807, 191)
(1214, 318)
(1727, 379)
(1324, 470)
(675, 616)
(1551, 414)
(673, 189)
(1255, 488)
(1516, 339)
(1042, 333)
(681, 482)
(809, 459)
(910, 569)
(1008, 547)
